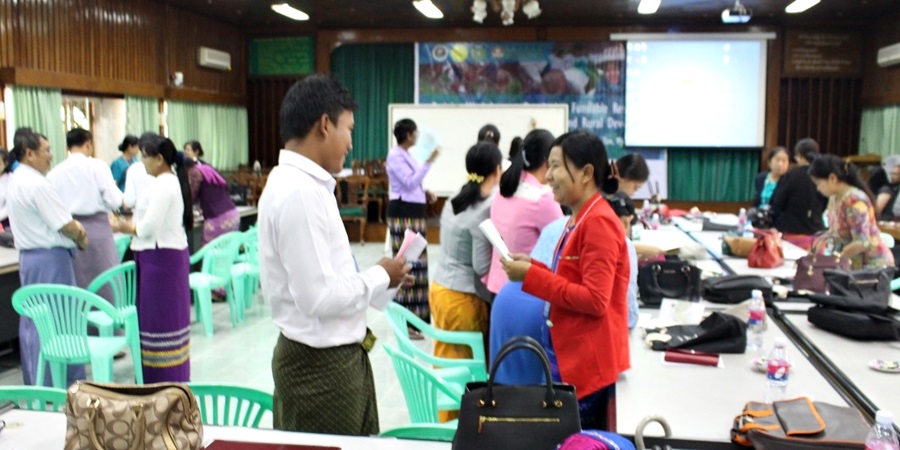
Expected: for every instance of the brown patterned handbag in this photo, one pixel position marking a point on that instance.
(162, 416)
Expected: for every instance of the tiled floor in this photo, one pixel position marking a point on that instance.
(243, 355)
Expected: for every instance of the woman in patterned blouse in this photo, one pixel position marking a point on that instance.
(852, 228)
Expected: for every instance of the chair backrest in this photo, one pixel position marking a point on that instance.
(122, 281)
(122, 243)
(227, 405)
(220, 254)
(250, 243)
(441, 432)
(420, 386)
(888, 240)
(60, 316)
(34, 398)
(352, 191)
(400, 319)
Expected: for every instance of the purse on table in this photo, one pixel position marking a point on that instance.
(857, 305)
(737, 245)
(766, 252)
(799, 424)
(162, 416)
(810, 271)
(717, 333)
(494, 416)
(668, 279)
(732, 289)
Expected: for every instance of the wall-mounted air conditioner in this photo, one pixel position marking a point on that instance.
(890, 55)
(214, 59)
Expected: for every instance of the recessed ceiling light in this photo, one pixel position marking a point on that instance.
(648, 6)
(289, 11)
(428, 9)
(800, 5)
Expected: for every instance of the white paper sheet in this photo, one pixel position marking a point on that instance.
(413, 245)
(490, 231)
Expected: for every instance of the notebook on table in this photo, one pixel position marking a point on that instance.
(236, 445)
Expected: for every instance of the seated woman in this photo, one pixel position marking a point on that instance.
(633, 174)
(796, 206)
(586, 327)
(852, 228)
(208, 188)
(886, 206)
(765, 182)
(457, 298)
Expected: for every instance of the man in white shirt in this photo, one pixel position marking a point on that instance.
(46, 235)
(136, 180)
(323, 378)
(87, 188)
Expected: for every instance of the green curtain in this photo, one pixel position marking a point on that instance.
(880, 131)
(222, 131)
(40, 109)
(712, 175)
(141, 115)
(376, 75)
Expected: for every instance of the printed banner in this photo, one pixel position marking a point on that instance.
(589, 76)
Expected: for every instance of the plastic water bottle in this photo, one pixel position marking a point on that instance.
(654, 222)
(882, 436)
(742, 221)
(757, 321)
(778, 372)
(646, 211)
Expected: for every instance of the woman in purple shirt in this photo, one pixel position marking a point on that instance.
(210, 190)
(406, 209)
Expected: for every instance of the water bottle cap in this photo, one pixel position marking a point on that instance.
(884, 417)
(756, 293)
(780, 342)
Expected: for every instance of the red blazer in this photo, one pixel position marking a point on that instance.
(589, 308)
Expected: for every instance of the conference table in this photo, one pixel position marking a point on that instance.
(39, 430)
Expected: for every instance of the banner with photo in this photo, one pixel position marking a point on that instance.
(588, 76)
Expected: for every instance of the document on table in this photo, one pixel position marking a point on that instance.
(665, 240)
(490, 231)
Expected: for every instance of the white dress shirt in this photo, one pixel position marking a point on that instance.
(85, 185)
(136, 181)
(307, 270)
(158, 216)
(4, 189)
(36, 214)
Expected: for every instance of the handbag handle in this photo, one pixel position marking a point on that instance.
(685, 270)
(521, 343)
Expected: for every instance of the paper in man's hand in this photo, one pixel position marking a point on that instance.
(413, 245)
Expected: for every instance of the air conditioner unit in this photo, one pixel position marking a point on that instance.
(214, 59)
(890, 55)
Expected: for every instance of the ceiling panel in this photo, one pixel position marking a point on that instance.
(256, 14)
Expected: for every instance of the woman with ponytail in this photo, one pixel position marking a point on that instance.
(525, 204)
(162, 219)
(585, 329)
(852, 227)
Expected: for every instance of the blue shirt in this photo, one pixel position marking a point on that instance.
(118, 168)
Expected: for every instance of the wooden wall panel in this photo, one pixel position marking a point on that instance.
(825, 109)
(881, 85)
(264, 96)
(120, 47)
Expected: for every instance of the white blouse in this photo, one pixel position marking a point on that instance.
(158, 216)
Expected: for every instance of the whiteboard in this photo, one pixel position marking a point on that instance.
(454, 128)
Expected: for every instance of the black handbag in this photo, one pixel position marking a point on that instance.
(731, 289)
(494, 416)
(855, 325)
(867, 290)
(668, 279)
(717, 333)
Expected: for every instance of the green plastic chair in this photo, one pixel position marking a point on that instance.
(226, 405)
(888, 239)
(122, 281)
(218, 256)
(34, 398)
(245, 272)
(401, 318)
(60, 316)
(122, 243)
(422, 388)
(441, 432)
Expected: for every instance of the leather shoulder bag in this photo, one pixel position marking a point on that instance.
(162, 416)
(668, 279)
(495, 417)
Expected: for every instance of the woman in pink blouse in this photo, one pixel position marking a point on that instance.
(525, 205)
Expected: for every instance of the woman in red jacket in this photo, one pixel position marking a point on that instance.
(587, 283)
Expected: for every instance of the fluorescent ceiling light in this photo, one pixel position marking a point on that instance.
(287, 10)
(428, 9)
(800, 5)
(648, 6)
